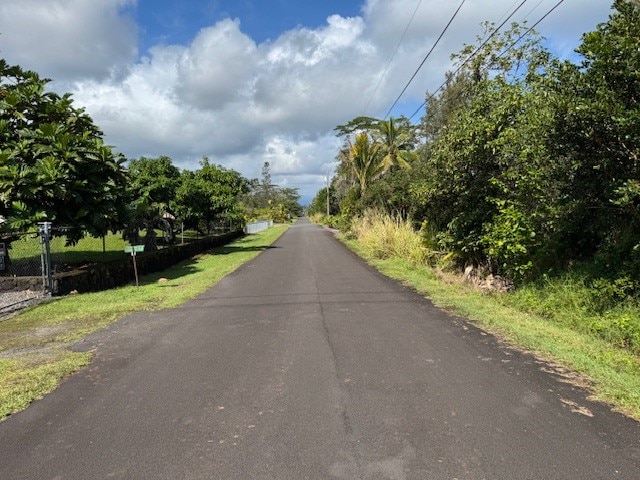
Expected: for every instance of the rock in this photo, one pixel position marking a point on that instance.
(163, 280)
(468, 272)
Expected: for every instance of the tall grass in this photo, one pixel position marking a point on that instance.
(570, 300)
(383, 236)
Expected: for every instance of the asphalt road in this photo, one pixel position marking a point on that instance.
(307, 364)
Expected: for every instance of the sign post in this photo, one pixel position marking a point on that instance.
(45, 239)
(133, 249)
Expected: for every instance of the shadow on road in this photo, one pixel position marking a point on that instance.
(189, 266)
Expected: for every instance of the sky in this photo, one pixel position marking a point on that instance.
(248, 81)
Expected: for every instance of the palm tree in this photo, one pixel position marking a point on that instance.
(365, 159)
(395, 144)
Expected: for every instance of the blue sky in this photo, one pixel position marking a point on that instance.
(170, 21)
(248, 81)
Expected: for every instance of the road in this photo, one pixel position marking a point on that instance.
(307, 364)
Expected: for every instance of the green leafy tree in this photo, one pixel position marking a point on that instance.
(209, 194)
(152, 187)
(365, 160)
(397, 139)
(487, 182)
(357, 125)
(372, 149)
(54, 164)
(266, 200)
(289, 198)
(597, 134)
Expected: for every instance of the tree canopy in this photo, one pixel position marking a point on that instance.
(208, 194)
(54, 165)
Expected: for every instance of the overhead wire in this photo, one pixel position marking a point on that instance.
(532, 27)
(533, 9)
(392, 56)
(507, 12)
(482, 45)
(426, 57)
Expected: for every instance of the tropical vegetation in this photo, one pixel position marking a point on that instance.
(523, 166)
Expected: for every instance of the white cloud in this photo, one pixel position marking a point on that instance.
(242, 103)
(68, 39)
(217, 66)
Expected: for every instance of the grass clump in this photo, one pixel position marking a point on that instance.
(34, 352)
(383, 236)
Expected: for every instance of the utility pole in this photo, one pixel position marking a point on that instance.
(327, 178)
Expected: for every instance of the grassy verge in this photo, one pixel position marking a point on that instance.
(34, 353)
(613, 374)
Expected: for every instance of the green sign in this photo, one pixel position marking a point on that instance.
(134, 248)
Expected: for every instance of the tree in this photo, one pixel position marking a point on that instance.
(152, 188)
(208, 194)
(54, 164)
(597, 133)
(487, 182)
(372, 148)
(289, 198)
(365, 160)
(266, 200)
(266, 188)
(357, 125)
(398, 140)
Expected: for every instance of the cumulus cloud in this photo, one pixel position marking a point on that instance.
(215, 69)
(68, 39)
(242, 103)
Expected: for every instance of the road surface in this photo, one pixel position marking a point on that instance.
(307, 364)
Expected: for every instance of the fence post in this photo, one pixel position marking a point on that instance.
(45, 238)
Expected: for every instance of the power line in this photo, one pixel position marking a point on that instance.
(533, 9)
(530, 29)
(482, 45)
(392, 56)
(508, 10)
(426, 57)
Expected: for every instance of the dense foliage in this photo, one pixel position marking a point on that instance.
(152, 185)
(208, 194)
(53, 163)
(264, 200)
(527, 165)
(373, 152)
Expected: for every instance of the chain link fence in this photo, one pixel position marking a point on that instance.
(22, 256)
(47, 251)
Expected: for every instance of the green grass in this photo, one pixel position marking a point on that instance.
(34, 353)
(87, 250)
(612, 373)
